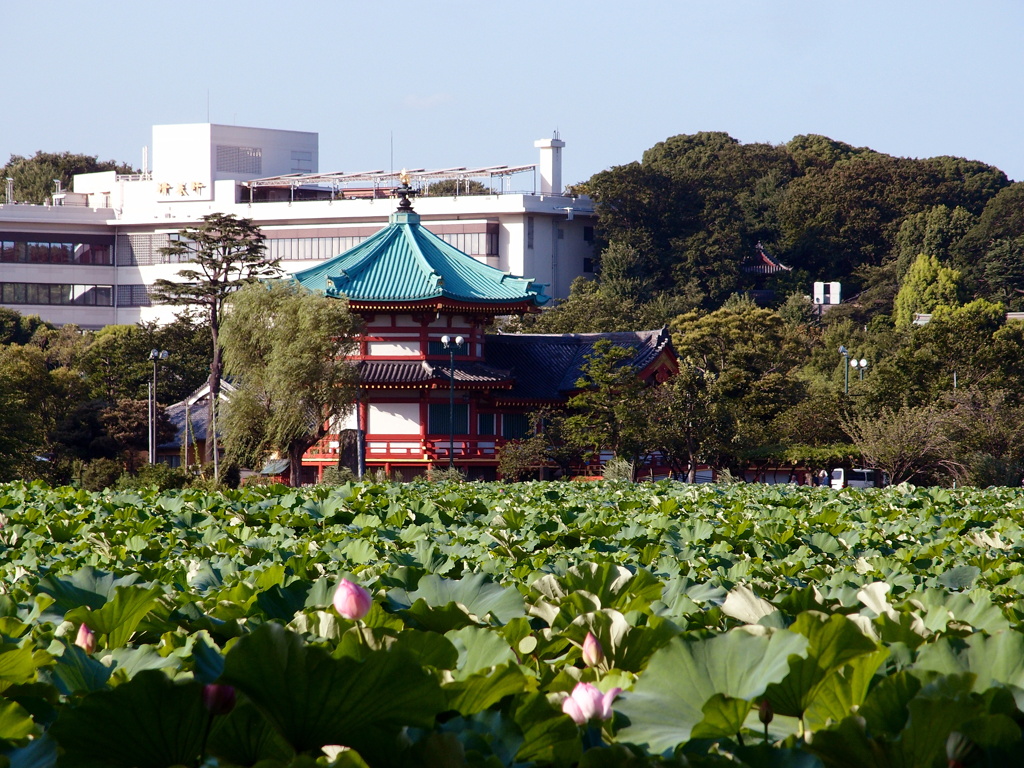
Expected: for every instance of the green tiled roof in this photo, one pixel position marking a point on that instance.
(407, 262)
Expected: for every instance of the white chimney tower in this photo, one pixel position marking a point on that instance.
(550, 164)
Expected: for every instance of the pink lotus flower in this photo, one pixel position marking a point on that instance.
(218, 699)
(86, 639)
(351, 600)
(586, 703)
(593, 653)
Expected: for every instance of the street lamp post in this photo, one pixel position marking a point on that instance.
(846, 368)
(155, 355)
(860, 365)
(450, 344)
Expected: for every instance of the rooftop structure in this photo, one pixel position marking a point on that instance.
(91, 257)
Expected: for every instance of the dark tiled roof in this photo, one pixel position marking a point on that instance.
(198, 415)
(412, 372)
(547, 366)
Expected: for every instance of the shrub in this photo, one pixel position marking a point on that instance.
(160, 476)
(101, 473)
(446, 475)
(618, 469)
(338, 476)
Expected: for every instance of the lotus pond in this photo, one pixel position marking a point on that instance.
(744, 625)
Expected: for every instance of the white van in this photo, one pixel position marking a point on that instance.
(856, 478)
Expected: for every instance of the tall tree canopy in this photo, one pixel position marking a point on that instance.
(285, 349)
(34, 176)
(226, 253)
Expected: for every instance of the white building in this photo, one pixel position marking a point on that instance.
(92, 255)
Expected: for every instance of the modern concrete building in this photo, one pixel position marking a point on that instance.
(91, 256)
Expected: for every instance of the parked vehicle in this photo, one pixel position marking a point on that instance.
(857, 478)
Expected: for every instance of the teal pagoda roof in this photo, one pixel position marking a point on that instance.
(407, 263)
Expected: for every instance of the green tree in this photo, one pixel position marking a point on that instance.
(753, 355)
(987, 428)
(927, 285)
(227, 253)
(286, 350)
(16, 328)
(909, 443)
(127, 425)
(688, 420)
(34, 176)
(451, 187)
(606, 412)
(19, 435)
(117, 363)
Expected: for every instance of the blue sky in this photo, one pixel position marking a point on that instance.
(475, 83)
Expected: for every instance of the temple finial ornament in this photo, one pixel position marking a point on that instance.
(404, 191)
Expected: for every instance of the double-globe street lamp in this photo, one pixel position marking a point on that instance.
(156, 355)
(451, 345)
(849, 361)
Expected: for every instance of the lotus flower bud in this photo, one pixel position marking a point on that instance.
(351, 600)
(86, 639)
(593, 653)
(765, 713)
(218, 699)
(586, 703)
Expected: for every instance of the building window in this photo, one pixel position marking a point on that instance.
(438, 419)
(561, 234)
(309, 248)
(57, 294)
(515, 426)
(588, 264)
(473, 243)
(529, 232)
(14, 251)
(485, 424)
(588, 234)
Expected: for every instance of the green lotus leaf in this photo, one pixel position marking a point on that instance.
(38, 753)
(474, 693)
(614, 586)
(312, 699)
(741, 603)
(667, 703)
(75, 671)
(244, 737)
(17, 665)
(995, 660)
(147, 722)
(885, 707)
(625, 647)
(478, 649)
(961, 577)
(15, 723)
(833, 641)
(85, 587)
(428, 648)
(841, 694)
(474, 592)
(549, 737)
(119, 616)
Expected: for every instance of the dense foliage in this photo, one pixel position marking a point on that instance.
(744, 625)
(681, 225)
(69, 397)
(33, 177)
